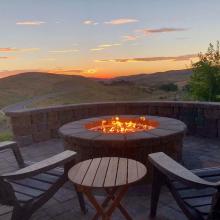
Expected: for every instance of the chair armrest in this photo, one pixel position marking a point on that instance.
(42, 166)
(172, 169)
(7, 145)
(14, 147)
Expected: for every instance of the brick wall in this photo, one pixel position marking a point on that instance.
(35, 125)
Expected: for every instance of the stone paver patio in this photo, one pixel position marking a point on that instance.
(197, 153)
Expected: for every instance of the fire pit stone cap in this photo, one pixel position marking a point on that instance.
(166, 127)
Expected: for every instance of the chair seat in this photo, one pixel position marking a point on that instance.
(32, 188)
(199, 199)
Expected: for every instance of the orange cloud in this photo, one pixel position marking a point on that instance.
(130, 37)
(8, 49)
(66, 70)
(30, 23)
(121, 21)
(90, 71)
(70, 71)
(150, 59)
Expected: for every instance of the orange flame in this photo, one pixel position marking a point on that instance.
(116, 125)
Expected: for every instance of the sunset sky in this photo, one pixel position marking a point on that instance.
(104, 38)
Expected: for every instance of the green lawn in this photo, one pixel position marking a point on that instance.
(5, 130)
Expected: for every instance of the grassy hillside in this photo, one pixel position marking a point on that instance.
(28, 85)
(179, 77)
(100, 93)
(50, 89)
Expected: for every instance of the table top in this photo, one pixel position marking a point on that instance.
(107, 172)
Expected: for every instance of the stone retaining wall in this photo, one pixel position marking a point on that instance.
(35, 125)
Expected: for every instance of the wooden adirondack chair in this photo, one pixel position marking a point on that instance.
(197, 192)
(27, 189)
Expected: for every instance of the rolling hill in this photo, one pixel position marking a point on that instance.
(50, 89)
(34, 84)
(43, 89)
(179, 77)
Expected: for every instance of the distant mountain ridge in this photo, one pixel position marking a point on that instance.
(171, 76)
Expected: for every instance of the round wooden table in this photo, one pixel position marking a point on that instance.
(113, 174)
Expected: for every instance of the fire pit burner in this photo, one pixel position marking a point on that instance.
(122, 125)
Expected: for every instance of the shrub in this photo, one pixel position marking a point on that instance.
(169, 87)
(205, 81)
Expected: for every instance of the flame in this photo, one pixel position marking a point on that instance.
(116, 125)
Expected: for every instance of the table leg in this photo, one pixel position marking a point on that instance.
(115, 195)
(81, 200)
(120, 207)
(91, 198)
(105, 202)
(116, 202)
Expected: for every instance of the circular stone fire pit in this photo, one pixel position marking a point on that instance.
(151, 134)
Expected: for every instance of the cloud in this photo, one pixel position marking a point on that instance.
(97, 49)
(185, 57)
(4, 57)
(69, 70)
(160, 30)
(130, 38)
(108, 45)
(150, 59)
(104, 46)
(90, 22)
(140, 33)
(30, 23)
(121, 21)
(63, 51)
(29, 49)
(10, 49)
(90, 71)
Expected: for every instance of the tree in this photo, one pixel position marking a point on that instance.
(205, 80)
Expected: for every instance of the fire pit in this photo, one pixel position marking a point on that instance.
(131, 136)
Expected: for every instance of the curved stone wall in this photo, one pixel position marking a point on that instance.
(35, 125)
